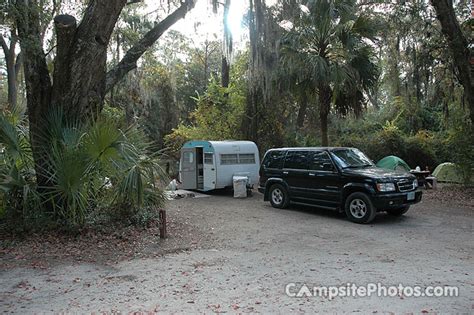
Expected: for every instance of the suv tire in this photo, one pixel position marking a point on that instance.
(398, 211)
(359, 208)
(278, 196)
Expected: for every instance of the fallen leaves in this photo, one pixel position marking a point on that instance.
(106, 245)
(452, 194)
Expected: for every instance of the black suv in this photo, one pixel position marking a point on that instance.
(336, 178)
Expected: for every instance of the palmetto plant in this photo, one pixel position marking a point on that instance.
(328, 45)
(100, 165)
(17, 187)
(90, 167)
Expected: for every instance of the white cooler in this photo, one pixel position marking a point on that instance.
(240, 186)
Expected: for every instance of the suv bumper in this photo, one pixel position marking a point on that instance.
(395, 200)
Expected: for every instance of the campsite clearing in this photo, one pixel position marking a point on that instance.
(237, 255)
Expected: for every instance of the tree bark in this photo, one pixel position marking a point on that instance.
(82, 93)
(79, 85)
(225, 72)
(302, 110)
(459, 48)
(227, 49)
(324, 109)
(11, 61)
(65, 26)
(129, 61)
(206, 62)
(37, 82)
(250, 124)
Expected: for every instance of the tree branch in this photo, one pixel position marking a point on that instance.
(6, 50)
(459, 47)
(18, 62)
(129, 61)
(13, 42)
(133, 1)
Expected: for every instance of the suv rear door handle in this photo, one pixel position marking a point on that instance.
(285, 173)
(311, 174)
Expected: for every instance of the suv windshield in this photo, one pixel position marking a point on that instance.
(351, 158)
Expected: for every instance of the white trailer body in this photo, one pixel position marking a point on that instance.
(208, 165)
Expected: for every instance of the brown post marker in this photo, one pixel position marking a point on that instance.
(162, 216)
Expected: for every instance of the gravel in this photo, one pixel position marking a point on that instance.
(237, 256)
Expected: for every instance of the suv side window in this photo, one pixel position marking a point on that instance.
(320, 161)
(297, 160)
(274, 159)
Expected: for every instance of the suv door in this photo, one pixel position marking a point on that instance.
(271, 165)
(295, 172)
(323, 179)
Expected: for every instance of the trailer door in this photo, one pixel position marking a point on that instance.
(188, 168)
(209, 172)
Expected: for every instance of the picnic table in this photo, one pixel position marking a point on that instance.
(421, 176)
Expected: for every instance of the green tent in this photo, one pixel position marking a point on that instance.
(392, 162)
(448, 172)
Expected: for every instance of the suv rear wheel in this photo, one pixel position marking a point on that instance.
(359, 208)
(278, 196)
(398, 211)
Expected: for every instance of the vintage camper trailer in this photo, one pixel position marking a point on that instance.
(208, 165)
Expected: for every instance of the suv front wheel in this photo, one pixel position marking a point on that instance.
(359, 208)
(278, 196)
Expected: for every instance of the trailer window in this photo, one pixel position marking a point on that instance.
(188, 157)
(208, 158)
(227, 159)
(247, 158)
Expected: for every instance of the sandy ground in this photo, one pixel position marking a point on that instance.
(250, 251)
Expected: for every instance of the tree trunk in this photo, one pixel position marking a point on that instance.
(80, 78)
(324, 108)
(80, 71)
(206, 62)
(251, 103)
(225, 72)
(79, 74)
(38, 86)
(302, 110)
(12, 62)
(323, 118)
(65, 26)
(227, 49)
(416, 75)
(12, 84)
(393, 66)
(460, 51)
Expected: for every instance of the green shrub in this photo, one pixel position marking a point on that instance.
(460, 145)
(420, 150)
(18, 194)
(91, 168)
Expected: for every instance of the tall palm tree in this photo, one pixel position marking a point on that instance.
(328, 43)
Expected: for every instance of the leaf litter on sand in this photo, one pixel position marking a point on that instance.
(108, 245)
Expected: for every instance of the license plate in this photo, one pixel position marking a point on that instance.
(411, 196)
